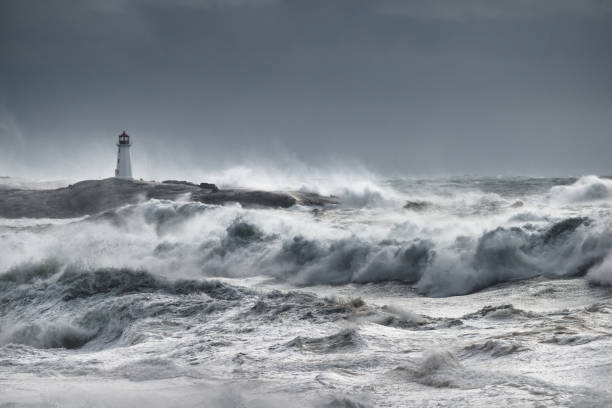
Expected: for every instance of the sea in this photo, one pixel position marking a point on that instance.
(412, 292)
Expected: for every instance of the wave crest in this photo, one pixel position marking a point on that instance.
(586, 188)
(46, 335)
(344, 340)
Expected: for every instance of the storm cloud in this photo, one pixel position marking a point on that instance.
(399, 87)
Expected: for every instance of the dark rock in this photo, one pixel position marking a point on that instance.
(94, 196)
(209, 186)
(183, 182)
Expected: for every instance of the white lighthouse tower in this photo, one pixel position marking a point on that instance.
(124, 163)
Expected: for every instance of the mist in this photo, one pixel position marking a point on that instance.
(393, 88)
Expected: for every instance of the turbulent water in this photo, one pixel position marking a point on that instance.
(466, 292)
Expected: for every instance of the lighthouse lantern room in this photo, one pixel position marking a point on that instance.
(124, 163)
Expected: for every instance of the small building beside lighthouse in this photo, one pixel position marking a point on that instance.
(124, 163)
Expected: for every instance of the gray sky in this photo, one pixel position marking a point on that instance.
(397, 86)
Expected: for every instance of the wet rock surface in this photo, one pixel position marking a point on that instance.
(93, 196)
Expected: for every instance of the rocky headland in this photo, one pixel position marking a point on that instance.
(93, 196)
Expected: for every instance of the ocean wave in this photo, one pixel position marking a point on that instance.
(135, 318)
(500, 312)
(601, 274)
(443, 369)
(46, 335)
(163, 215)
(392, 316)
(493, 348)
(74, 282)
(277, 305)
(250, 246)
(121, 307)
(343, 341)
(30, 272)
(574, 339)
(586, 188)
(568, 248)
(352, 260)
(439, 369)
(102, 307)
(439, 253)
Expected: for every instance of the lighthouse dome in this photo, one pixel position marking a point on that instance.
(124, 139)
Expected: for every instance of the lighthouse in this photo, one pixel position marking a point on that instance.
(124, 164)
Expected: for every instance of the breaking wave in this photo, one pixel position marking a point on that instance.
(455, 254)
(567, 248)
(46, 335)
(586, 188)
(601, 274)
(571, 247)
